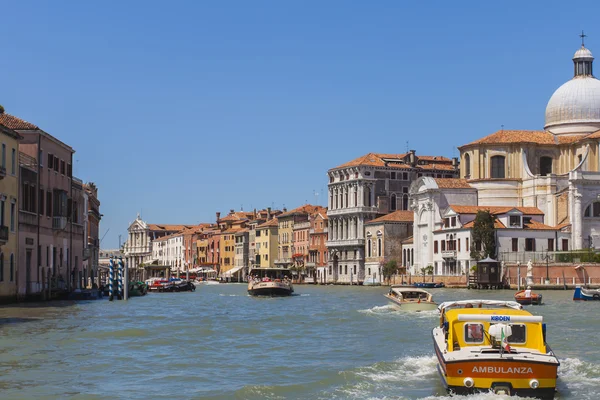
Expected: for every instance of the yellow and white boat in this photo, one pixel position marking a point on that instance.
(488, 345)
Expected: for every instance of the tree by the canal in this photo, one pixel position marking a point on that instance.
(390, 268)
(483, 232)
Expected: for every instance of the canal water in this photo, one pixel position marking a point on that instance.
(326, 342)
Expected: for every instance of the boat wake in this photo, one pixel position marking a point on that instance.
(378, 310)
(578, 379)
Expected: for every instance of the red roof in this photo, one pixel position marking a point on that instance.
(12, 122)
(396, 216)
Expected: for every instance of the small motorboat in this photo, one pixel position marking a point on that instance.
(410, 298)
(586, 294)
(527, 297)
(270, 282)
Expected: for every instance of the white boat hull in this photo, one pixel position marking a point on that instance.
(412, 305)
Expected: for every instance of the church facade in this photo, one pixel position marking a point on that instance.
(553, 173)
(556, 169)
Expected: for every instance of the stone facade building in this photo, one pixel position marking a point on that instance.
(363, 189)
(9, 199)
(384, 236)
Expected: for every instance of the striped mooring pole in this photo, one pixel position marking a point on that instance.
(120, 292)
(111, 271)
(125, 279)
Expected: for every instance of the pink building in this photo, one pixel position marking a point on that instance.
(51, 232)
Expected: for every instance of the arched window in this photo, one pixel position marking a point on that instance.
(498, 169)
(369, 248)
(379, 247)
(545, 166)
(405, 202)
(467, 165)
(593, 210)
(393, 203)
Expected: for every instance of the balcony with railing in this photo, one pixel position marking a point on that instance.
(312, 231)
(27, 161)
(346, 242)
(3, 234)
(59, 223)
(283, 261)
(28, 218)
(448, 253)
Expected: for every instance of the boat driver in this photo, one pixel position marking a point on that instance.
(528, 292)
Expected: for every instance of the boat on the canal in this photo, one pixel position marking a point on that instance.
(586, 294)
(527, 297)
(410, 298)
(489, 345)
(270, 282)
(137, 289)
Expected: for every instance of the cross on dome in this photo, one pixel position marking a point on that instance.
(582, 36)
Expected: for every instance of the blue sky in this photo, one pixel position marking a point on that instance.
(179, 109)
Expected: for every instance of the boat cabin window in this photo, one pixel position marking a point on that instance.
(473, 333)
(518, 334)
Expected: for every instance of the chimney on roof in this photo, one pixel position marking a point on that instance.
(231, 211)
(455, 162)
(413, 158)
(268, 213)
(284, 209)
(254, 214)
(218, 216)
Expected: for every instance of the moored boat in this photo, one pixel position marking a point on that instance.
(429, 285)
(488, 345)
(410, 298)
(270, 282)
(586, 294)
(527, 297)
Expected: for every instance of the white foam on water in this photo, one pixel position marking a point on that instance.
(304, 294)
(579, 376)
(387, 309)
(402, 370)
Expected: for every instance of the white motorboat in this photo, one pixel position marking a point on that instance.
(270, 282)
(410, 298)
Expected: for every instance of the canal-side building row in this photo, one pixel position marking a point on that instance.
(49, 215)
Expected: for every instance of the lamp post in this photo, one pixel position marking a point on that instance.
(547, 258)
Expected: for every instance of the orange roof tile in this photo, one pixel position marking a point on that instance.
(373, 159)
(539, 226)
(12, 122)
(396, 216)
(433, 158)
(443, 167)
(508, 136)
(595, 135)
(470, 224)
(452, 183)
(168, 227)
(494, 209)
(268, 224)
(305, 209)
(395, 161)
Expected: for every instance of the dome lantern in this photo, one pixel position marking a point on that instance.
(583, 60)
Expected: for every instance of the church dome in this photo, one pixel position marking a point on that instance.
(575, 106)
